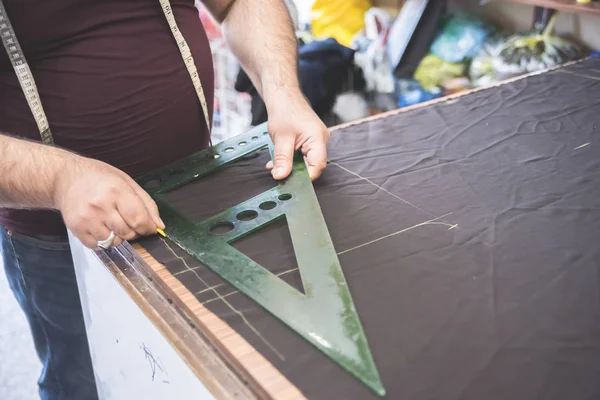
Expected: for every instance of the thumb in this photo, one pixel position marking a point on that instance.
(283, 155)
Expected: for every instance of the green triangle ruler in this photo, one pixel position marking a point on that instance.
(324, 314)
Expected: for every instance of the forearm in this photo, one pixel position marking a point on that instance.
(261, 35)
(29, 172)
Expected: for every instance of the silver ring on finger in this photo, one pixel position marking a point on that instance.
(108, 242)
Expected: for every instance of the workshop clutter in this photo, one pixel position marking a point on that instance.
(338, 19)
(445, 68)
(356, 60)
(231, 111)
(325, 69)
(470, 52)
(512, 55)
(424, 52)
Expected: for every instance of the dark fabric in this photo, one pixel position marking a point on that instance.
(325, 69)
(41, 275)
(498, 298)
(112, 82)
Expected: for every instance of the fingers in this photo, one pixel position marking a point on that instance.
(114, 223)
(150, 205)
(117, 224)
(87, 227)
(92, 211)
(283, 155)
(135, 214)
(98, 234)
(315, 156)
(316, 160)
(89, 240)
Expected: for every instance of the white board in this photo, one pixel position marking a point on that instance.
(132, 359)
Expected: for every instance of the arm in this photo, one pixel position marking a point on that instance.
(261, 35)
(29, 172)
(93, 197)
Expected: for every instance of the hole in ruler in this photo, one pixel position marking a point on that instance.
(221, 228)
(216, 156)
(254, 137)
(285, 196)
(239, 189)
(152, 184)
(267, 205)
(243, 143)
(265, 133)
(247, 215)
(228, 150)
(281, 262)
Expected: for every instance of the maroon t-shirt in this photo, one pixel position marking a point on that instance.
(112, 82)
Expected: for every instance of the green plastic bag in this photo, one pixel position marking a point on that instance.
(520, 54)
(433, 71)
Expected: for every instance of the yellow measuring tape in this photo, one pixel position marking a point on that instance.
(188, 59)
(19, 63)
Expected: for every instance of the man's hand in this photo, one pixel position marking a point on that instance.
(96, 198)
(293, 125)
(261, 36)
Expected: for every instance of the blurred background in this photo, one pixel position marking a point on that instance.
(360, 58)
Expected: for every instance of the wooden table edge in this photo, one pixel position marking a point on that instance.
(264, 380)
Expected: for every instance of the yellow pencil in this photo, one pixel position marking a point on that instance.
(161, 232)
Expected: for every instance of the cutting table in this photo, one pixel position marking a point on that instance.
(467, 229)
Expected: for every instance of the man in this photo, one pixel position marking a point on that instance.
(120, 102)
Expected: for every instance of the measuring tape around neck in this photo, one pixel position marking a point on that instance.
(19, 63)
(25, 77)
(186, 54)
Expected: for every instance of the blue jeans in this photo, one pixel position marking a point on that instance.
(41, 275)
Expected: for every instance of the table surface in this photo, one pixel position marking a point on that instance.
(466, 231)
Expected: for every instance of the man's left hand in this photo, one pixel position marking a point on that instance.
(293, 125)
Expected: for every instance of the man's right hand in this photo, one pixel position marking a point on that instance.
(96, 198)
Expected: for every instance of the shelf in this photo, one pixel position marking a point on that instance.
(564, 5)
